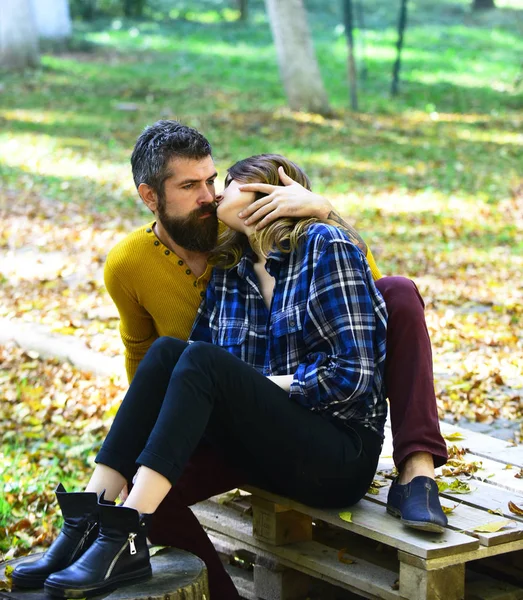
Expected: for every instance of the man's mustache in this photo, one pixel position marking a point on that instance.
(207, 209)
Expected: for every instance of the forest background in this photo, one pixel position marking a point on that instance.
(432, 177)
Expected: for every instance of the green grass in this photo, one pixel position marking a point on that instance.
(455, 127)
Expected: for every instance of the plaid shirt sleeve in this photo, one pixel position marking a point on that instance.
(339, 328)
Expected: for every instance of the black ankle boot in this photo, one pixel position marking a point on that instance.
(80, 529)
(119, 556)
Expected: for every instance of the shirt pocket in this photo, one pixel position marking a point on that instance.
(289, 321)
(231, 332)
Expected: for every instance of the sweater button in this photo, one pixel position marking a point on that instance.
(195, 284)
(167, 252)
(148, 230)
(157, 243)
(188, 271)
(202, 294)
(180, 262)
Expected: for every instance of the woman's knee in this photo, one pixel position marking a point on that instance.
(167, 349)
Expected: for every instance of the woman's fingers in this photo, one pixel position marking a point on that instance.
(250, 210)
(265, 188)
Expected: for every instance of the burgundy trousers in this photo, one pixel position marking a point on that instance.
(414, 422)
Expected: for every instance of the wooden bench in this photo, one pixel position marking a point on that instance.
(299, 552)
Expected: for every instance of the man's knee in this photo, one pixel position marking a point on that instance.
(401, 296)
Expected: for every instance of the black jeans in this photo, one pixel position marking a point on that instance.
(184, 394)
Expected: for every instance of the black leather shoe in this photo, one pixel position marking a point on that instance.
(119, 556)
(80, 529)
(417, 504)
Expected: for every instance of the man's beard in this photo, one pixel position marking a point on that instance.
(192, 232)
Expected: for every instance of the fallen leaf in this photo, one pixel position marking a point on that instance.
(346, 516)
(460, 487)
(454, 436)
(344, 559)
(449, 509)
(493, 527)
(515, 509)
(495, 511)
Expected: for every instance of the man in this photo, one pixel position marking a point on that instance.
(157, 276)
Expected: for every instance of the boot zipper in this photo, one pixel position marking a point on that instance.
(83, 539)
(129, 541)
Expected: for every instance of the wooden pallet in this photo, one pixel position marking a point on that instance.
(375, 556)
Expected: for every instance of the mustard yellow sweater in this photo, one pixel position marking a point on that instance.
(155, 292)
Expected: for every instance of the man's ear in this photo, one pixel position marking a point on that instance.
(148, 196)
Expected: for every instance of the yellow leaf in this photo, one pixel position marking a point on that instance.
(344, 559)
(493, 526)
(460, 487)
(454, 436)
(514, 508)
(448, 509)
(495, 511)
(508, 467)
(346, 516)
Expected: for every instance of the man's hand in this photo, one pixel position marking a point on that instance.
(288, 200)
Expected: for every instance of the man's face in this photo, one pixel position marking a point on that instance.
(186, 208)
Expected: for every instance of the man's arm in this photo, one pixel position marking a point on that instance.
(137, 328)
(293, 200)
(354, 236)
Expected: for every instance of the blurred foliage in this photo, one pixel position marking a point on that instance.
(432, 179)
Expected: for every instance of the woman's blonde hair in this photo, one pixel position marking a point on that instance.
(284, 233)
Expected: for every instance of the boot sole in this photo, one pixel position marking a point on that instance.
(29, 583)
(419, 525)
(108, 586)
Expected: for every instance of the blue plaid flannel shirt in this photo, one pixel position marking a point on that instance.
(326, 325)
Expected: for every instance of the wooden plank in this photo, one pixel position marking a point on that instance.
(310, 558)
(485, 445)
(371, 521)
(439, 584)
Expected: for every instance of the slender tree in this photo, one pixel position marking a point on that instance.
(18, 35)
(299, 68)
(244, 9)
(402, 24)
(133, 8)
(361, 31)
(483, 4)
(351, 60)
(53, 19)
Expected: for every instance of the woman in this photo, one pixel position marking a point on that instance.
(290, 389)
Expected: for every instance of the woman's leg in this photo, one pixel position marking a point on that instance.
(282, 444)
(409, 378)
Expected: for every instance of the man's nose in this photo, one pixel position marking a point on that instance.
(207, 196)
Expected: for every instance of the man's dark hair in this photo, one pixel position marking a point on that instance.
(158, 144)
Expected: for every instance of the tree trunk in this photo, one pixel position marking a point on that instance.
(483, 4)
(353, 79)
(299, 68)
(18, 35)
(243, 8)
(88, 9)
(53, 19)
(399, 46)
(133, 8)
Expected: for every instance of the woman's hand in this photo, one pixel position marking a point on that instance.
(283, 381)
(288, 200)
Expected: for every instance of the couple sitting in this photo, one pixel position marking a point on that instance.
(282, 384)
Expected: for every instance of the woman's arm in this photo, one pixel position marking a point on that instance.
(344, 329)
